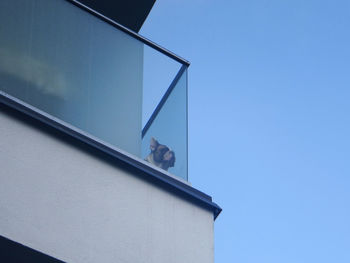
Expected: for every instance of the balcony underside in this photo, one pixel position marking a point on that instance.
(131, 14)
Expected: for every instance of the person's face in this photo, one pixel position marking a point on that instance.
(167, 156)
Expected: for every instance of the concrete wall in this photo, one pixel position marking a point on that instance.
(71, 205)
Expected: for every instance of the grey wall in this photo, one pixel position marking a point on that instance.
(67, 203)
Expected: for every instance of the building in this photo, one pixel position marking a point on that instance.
(81, 97)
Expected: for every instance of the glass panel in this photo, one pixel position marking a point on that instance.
(165, 141)
(73, 66)
(76, 67)
(159, 72)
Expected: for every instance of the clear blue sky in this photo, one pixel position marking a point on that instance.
(269, 122)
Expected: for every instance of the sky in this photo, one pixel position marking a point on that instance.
(269, 122)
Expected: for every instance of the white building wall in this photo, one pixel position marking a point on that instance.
(71, 205)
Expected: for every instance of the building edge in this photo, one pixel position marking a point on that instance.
(104, 151)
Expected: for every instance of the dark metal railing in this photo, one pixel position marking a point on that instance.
(131, 33)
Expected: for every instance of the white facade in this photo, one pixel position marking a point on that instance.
(76, 207)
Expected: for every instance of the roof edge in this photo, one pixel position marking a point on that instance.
(181, 188)
(131, 33)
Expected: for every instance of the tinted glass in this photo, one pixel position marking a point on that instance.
(169, 129)
(74, 66)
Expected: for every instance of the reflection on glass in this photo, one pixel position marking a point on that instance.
(156, 79)
(73, 66)
(165, 139)
(85, 72)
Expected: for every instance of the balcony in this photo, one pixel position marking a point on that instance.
(77, 68)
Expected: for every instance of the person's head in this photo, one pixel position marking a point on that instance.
(159, 152)
(153, 145)
(169, 159)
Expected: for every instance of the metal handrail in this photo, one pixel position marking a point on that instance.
(131, 33)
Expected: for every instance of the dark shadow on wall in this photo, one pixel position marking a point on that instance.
(13, 252)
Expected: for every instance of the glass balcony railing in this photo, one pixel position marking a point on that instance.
(77, 66)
